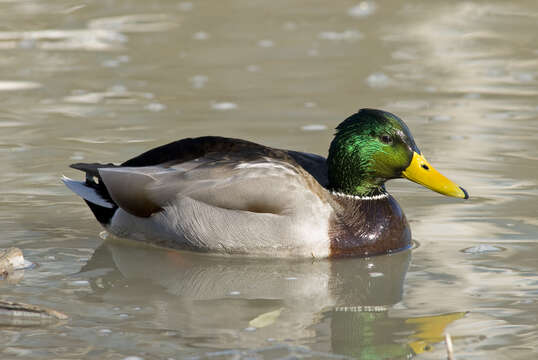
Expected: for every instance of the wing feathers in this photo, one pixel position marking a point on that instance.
(86, 192)
(128, 188)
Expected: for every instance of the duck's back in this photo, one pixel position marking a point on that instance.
(218, 194)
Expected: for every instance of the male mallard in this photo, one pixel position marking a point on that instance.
(228, 195)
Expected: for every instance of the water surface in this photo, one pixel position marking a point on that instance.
(104, 81)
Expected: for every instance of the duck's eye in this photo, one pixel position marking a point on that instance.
(386, 139)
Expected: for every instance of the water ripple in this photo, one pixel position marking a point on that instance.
(135, 23)
(84, 39)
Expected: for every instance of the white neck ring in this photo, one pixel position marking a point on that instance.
(383, 195)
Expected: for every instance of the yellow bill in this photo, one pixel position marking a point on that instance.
(421, 172)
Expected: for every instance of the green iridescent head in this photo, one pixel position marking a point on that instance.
(373, 146)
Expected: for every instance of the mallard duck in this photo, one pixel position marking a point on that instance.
(234, 196)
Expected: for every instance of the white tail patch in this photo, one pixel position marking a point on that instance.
(86, 192)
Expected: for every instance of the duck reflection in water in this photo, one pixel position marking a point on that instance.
(344, 306)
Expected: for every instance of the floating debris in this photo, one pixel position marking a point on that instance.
(12, 265)
(11, 259)
(23, 314)
(265, 319)
(482, 249)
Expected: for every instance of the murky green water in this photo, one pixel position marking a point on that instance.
(105, 80)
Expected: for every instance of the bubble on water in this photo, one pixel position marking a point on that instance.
(77, 156)
(198, 81)
(133, 358)
(310, 104)
(155, 107)
(250, 329)
(80, 283)
(362, 9)
(314, 127)
(223, 106)
(266, 43)
(376, 274)
(378, 79)
(253, 68)
(348, 35)
(200, 35)
(123, 316)
(234, 293)
(105, 331)
(291, 278)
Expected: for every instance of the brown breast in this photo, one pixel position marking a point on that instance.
(367, 227)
